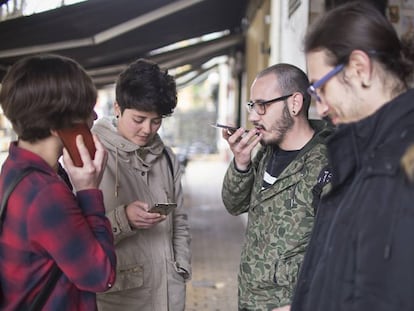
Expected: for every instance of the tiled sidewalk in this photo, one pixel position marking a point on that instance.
(217, 239)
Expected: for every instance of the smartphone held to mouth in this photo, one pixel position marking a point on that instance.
(68, 137)
(230, 129)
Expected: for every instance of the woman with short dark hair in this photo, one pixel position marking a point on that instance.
(153, 249)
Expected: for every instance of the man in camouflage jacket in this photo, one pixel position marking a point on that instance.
(278, 188)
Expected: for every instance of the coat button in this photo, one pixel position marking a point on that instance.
(142, 173)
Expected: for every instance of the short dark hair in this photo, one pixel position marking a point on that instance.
(290, 79)
(144, 86)
(381, 5)
(46, 92)
(359, 25)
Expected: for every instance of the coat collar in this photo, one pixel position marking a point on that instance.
(105, 128)
(356, 143)
(291, 175)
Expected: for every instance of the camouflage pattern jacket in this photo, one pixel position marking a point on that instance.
(280, 219)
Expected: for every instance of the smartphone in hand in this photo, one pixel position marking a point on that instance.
(68, 137)
(230, 129)
(163, 208)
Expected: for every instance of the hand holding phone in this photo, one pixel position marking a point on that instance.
(68, 137)
(163, 208)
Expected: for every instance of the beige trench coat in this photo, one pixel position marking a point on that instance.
(153, 264)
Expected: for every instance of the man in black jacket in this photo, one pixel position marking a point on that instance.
(361, 255)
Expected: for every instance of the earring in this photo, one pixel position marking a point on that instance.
(117, 116)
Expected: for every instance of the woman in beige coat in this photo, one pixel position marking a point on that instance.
(153, 250)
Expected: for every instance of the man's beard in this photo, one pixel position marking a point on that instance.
(281, 127)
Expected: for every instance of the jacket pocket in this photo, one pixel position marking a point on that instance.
(286, 272)
(128, 277)
(176, 271)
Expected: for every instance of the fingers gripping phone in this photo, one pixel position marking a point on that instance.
(68, 137)
(163, 208)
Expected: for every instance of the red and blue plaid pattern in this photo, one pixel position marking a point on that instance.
(45, 222)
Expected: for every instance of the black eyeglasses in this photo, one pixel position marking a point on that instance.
(316, 85)
(259, 106)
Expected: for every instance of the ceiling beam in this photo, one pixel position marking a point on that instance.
(173, 59)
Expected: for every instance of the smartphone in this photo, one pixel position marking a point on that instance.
(68, 137)
(163, 208)
(230, 129)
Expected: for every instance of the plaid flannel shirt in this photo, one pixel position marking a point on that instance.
(44, 223)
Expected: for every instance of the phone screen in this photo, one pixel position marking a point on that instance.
(163, 208)
(68, 137)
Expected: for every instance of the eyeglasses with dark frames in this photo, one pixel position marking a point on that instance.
(318, 84)
(259, 106)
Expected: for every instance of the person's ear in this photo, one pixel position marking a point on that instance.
(296, 104)
(117, 109)
(360, 66)
(54, 133)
